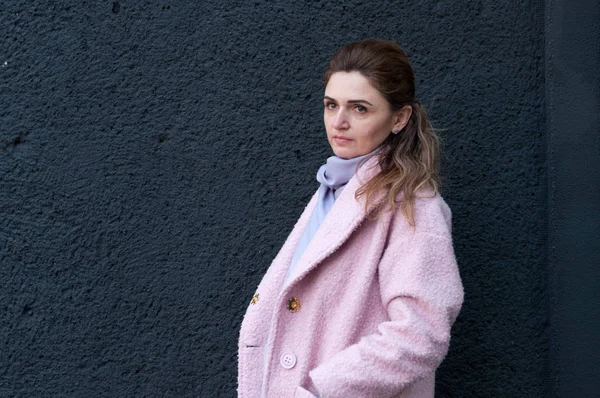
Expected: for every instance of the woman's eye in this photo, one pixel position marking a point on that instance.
(360, 109)
(330, 105)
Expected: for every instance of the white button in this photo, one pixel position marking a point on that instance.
(287, 360)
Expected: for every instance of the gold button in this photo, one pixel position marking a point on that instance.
(254, 299)
(293, 304)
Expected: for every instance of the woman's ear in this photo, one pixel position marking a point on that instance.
(401, 118)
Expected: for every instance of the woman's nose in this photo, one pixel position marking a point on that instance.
(340, 120)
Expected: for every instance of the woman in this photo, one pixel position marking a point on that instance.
(360, 300)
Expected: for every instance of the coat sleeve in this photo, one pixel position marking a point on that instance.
(422, 291)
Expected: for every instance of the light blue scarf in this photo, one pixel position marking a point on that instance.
(333, 176)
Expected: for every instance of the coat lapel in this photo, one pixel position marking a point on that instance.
(282, 261)
(344, 217)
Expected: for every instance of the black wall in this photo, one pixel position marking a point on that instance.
(154, 156)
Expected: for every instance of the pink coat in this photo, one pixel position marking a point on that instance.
(374, 302)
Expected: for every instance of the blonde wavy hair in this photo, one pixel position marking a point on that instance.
(408, 160)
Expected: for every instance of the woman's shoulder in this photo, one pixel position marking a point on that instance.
(431, 213)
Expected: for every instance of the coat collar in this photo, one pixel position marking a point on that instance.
(344, 217)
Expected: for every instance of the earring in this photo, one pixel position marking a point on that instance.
(395, 131)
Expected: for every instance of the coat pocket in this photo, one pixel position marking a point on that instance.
(251, 336)
(250, 371)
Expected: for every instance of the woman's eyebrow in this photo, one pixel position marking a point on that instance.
(357, 101)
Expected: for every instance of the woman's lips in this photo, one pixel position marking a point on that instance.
(341, 140)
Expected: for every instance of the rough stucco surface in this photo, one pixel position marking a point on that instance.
(154, 155)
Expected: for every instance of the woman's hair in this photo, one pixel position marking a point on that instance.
(408, 160)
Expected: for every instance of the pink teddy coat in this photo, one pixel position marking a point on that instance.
(374, 300)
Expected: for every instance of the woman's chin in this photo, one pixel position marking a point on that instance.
(346, 153)
(343, 152)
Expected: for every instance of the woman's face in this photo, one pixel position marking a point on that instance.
(357, 117)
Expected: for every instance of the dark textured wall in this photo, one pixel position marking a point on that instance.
(154, 155)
